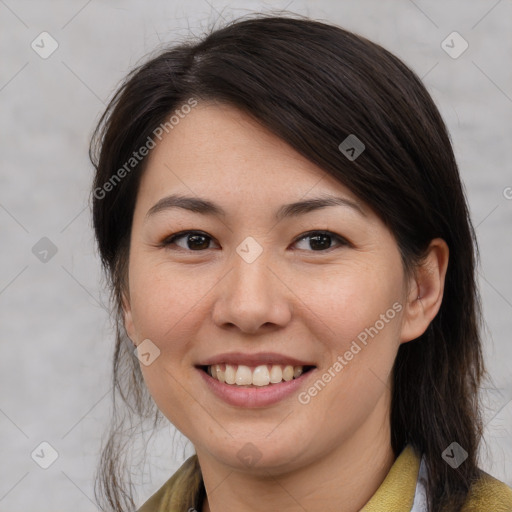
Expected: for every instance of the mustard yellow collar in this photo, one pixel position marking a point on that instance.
(185, 490)
(396, 492)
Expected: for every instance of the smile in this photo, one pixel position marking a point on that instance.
(262, 375)
(230, 383)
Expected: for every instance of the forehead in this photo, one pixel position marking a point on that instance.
(219, 150)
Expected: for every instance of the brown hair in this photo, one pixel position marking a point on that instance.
(312, 84)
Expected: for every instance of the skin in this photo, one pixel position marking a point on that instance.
(334, 452)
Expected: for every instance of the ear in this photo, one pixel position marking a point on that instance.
(128, 319)
(425, 291)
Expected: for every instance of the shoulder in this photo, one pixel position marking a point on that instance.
(488, 493)
(180, 493)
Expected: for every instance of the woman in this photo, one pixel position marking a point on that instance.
(281, 218)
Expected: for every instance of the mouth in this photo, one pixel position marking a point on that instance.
(255, 376)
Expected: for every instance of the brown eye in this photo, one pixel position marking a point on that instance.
(321, 240)
(194, 240)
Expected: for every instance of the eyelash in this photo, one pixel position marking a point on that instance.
(167, 242)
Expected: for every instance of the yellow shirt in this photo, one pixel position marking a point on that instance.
(185, 491)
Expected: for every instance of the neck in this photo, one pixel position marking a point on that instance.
(344, 479)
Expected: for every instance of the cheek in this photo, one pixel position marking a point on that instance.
(361, 320)
(163, 300)
(349, 300)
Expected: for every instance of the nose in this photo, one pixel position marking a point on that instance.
(252, 296)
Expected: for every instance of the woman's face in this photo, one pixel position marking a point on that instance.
(259, 285)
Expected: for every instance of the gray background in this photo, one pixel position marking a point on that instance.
(56, 339)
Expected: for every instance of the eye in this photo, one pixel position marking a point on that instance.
(194, 240)
(321, 240)
(198, 241)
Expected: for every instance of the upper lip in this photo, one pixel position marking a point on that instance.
(254, 359)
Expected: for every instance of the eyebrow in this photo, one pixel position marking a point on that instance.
(206, 207)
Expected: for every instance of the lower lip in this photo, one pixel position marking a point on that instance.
(255, 396)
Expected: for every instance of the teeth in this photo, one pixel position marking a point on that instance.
(218, 373)
(230, 374)
(276, 374)
(243, 375)
(262, 375)
(288, 373)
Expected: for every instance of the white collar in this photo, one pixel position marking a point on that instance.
(420, 497)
